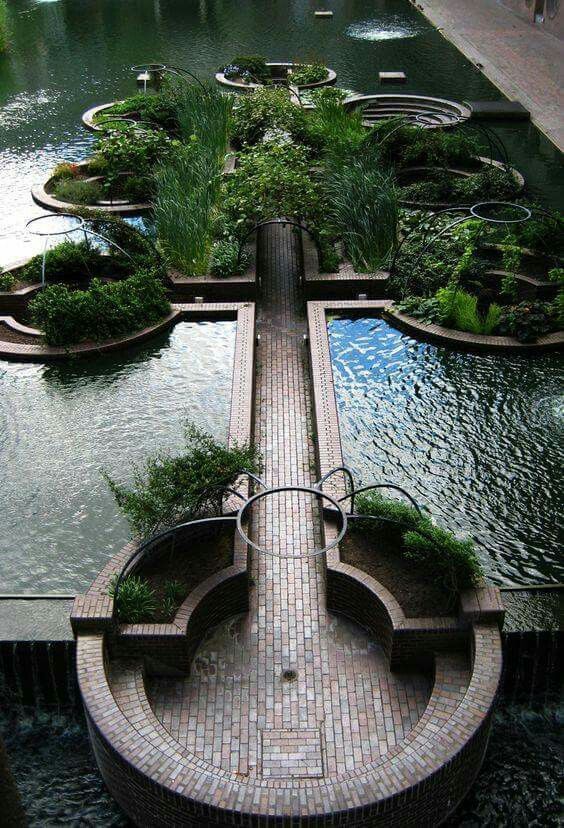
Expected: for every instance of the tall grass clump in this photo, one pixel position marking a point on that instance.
(4, 28)
(202, 112)
(362, 207)
(187, 191)
(332, 128)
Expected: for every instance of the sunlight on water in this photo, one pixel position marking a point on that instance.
(388, 28)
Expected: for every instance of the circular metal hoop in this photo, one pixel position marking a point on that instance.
(525, 212)
(148, 67)
(307, 490)
(79, 224)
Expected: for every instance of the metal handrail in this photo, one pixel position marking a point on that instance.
(265, 222)
(372, 486)
(348, 473)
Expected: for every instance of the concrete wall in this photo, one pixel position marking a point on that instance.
(546, 14)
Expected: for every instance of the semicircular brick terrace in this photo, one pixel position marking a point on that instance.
(384, 723)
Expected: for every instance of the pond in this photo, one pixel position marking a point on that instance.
(476, 438)
(61, 425)
(67, 55)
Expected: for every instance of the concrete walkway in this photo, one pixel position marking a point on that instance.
(523, 61)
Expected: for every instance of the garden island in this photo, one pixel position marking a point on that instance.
(281, 399)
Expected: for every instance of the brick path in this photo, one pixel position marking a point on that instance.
(343, 708)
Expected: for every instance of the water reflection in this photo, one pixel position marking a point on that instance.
(60, 425)
(477, 438)
(389, 27)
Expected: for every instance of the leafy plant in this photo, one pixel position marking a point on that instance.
(459, 310)
(153, 107)
(270, 180)
(529, 320)
(100, 312)
(168, 490)
(556, 274)
(305, 73)
(248, 67)
(454, 562)
(76, 191)
(225, 259)
(66, 262)
(135, 600)
(174, 591)
(131, 150)
(264, 111)
(7, 281)
(65, 170)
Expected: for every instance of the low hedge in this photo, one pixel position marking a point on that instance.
(102, 311)
(452, 562)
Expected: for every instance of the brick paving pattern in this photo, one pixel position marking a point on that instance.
(343, 708)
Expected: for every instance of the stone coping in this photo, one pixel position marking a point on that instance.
(90, 114)
(343, 283)
(239, 84)
(460, 172)
(41, 194)
(40, 352)
(472, 342)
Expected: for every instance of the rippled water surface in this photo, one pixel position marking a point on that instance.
(478, 438)
(61, 425)
(70, 54)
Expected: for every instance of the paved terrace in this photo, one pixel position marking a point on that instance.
(287, 714)
(525, 62)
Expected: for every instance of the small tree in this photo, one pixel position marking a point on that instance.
(169, 490)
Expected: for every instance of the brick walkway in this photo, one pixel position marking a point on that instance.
(341, 708)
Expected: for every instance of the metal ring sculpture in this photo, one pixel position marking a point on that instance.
(472, 212)
(80, 226)
(163, 68)
(306, 490)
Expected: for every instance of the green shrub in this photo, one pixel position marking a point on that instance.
(131, 151)
(304, 73)
(136, 189)
(362, 209)
(147, 106)
(556, 274)
(529, 320)
(440, 186)
(428, 309)
(225, 260)
(264, 111)
(135, 600)
(66, 262)
(75, 191)
(168, 490)
(65, 170)
(271, 180)
(251, 68)
(102, 311)
(451, 561)
(7, 281)
(416, 146)
(174, 591)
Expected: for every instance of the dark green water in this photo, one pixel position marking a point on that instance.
(478, 439)
(518, 786)
(69, 54)
(60, 425)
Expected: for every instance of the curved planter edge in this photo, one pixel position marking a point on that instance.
(87, 117)
(469, 341)
(24, 352)
(247, 87)
(462, 173)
